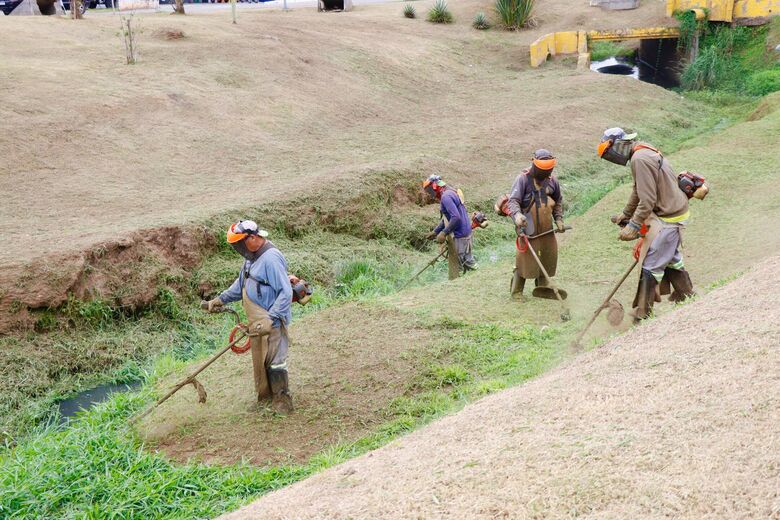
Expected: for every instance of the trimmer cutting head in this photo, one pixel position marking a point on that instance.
(615, 313)
(548, 293)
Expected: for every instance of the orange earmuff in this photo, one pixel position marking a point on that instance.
(604, 146)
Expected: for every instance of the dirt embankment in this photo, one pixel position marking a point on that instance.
(676, 418)
(125, 272)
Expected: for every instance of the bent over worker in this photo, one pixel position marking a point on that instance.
(454, 229)
(536, 205)
(658, 203)
(265, 292)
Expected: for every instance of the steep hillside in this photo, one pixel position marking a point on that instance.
(720, 243)
(677, 418)
(235, 116)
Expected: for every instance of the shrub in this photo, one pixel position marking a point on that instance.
(439, 13)
(763, 82)
(514, 14)
(409, 11)
(480, 22)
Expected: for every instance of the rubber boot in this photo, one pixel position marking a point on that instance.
(645, 297)
(281, 401)
(517, 286)
(681, 283)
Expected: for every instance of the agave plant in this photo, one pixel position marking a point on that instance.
(514, 14)
(409, 11)
(480, 22)
(439, 13)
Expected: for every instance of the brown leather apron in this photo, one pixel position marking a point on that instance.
(540, 215)
(259, 346)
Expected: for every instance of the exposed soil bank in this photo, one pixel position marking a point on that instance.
(128, 273)
(677, 418)
(125, 272)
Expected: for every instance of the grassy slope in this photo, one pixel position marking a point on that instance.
(478, 128)
(474, 362)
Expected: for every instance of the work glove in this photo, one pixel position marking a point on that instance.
(263, 327)
(431, 235)
(520, 223)
(441, 237)
(215, 305)
(621, 220)
(629, 232)
(560, 226)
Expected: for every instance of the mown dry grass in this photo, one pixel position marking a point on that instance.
(275, 105)
(677, 418)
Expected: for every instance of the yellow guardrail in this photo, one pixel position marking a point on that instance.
(576, 42)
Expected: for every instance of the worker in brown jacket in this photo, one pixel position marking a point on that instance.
(659, 205)
(536, 205)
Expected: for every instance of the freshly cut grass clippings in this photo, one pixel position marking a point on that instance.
(651, 424)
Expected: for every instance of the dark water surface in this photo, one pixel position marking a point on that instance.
(88, 398)
(656, 61)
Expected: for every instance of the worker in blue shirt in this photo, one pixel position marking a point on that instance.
(263, 287)
(454, 229)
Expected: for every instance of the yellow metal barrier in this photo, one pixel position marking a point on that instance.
(568, 42)
(576, 42)
(744, 11)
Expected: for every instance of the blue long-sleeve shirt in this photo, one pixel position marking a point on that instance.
(275, 297)
(458, 222)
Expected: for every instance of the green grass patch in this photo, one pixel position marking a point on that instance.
(601, 50)
(96, 467)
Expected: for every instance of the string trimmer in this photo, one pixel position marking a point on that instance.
(238, 333)
(604, 305)
(565, 314)
(608, 303)
(478, 220)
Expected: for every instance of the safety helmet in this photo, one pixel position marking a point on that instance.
(242, 229)
(610, 136)
(544, 159)
(432, 183)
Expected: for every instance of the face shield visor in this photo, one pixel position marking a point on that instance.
(237, 235)
(616, 152)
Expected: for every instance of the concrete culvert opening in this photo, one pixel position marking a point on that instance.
(334, 5)
(47, 7)
(656, 61)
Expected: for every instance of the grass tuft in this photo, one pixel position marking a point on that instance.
(480, 22)
(514, 14)
(409, 11)
(440, 13)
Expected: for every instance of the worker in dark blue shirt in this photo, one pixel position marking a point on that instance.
(454, 229)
